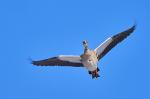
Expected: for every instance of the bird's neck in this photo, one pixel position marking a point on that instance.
(86, 49)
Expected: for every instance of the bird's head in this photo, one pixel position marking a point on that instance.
(85, 43)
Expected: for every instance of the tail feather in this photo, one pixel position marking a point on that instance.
(94, 73)
(95, 76)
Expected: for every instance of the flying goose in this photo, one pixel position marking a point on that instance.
(89, 58)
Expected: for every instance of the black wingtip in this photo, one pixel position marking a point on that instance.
(32, 61)
(134, 26)
(130, 30)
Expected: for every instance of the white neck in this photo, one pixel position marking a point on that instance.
(85, 47)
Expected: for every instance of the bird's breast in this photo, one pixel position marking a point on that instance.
(90, 64)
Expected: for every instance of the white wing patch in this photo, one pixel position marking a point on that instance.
(102, 47)
(70, 58)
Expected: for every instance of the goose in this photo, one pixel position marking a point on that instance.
(89, 59)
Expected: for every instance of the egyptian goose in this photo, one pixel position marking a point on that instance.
(89, 58)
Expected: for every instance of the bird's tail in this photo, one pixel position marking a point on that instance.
(95, 76)
(94, 73)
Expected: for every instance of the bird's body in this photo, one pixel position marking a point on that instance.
(90, 61)
(89, 58)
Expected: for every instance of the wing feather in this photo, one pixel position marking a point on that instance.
(74, 61)
(111, 42)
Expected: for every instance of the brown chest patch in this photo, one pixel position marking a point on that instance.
(88, 55)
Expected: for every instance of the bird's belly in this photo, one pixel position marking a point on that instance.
(91, 66)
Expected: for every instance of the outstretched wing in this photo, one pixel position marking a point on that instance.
(111, 42)
(62, 60)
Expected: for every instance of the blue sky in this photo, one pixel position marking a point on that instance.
(44, 28)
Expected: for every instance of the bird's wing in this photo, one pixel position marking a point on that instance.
(111, 42)
(61, 60)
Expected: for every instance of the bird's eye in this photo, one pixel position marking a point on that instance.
(89, 60)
